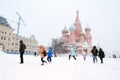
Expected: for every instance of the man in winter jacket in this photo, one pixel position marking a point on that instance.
(101, 55)
(22, 50)
(94, 52)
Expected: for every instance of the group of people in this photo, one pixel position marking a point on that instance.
(42, 51)
(96, 53)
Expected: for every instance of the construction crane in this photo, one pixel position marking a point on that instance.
(19, 20)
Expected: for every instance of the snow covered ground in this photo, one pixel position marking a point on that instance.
(60, 69)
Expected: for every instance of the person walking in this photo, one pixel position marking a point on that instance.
(50, 52)
(101, 55)
(42, 53)
(84, 54)
(22, 50)
(72, 53)
(94, 52)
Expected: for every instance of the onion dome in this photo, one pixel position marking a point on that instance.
(72, 28)
(87, 29)
(64, 30)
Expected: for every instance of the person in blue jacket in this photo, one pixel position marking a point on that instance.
(72, 53)
(50, 52)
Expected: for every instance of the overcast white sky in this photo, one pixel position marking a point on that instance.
(46, 18)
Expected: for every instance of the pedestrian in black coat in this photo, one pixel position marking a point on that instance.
(101, 55)
(22, 50)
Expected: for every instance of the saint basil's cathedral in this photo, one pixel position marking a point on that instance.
(82, 42)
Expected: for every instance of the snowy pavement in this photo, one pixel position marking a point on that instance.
(60, 68)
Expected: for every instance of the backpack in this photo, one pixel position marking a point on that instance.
(24, 47)
(103, 55)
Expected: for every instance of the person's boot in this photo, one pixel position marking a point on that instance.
(42, 64)
(21, 62)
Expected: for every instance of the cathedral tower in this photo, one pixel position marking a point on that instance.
(77, 24)
(88, 36)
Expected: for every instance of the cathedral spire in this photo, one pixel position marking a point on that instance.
(77, 23)
(77, 13)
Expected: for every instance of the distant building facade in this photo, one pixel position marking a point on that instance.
(10, 41)
(74, 36)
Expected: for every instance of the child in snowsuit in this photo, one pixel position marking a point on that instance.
(49, 55)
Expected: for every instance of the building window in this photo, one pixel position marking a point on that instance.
(12, 50)
(77, 40)
(8, 39)
(16, 44)
(2, 38)
(12, 44)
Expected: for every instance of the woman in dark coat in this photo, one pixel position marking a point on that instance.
(101, 55)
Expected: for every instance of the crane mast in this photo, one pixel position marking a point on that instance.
(19, 20)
